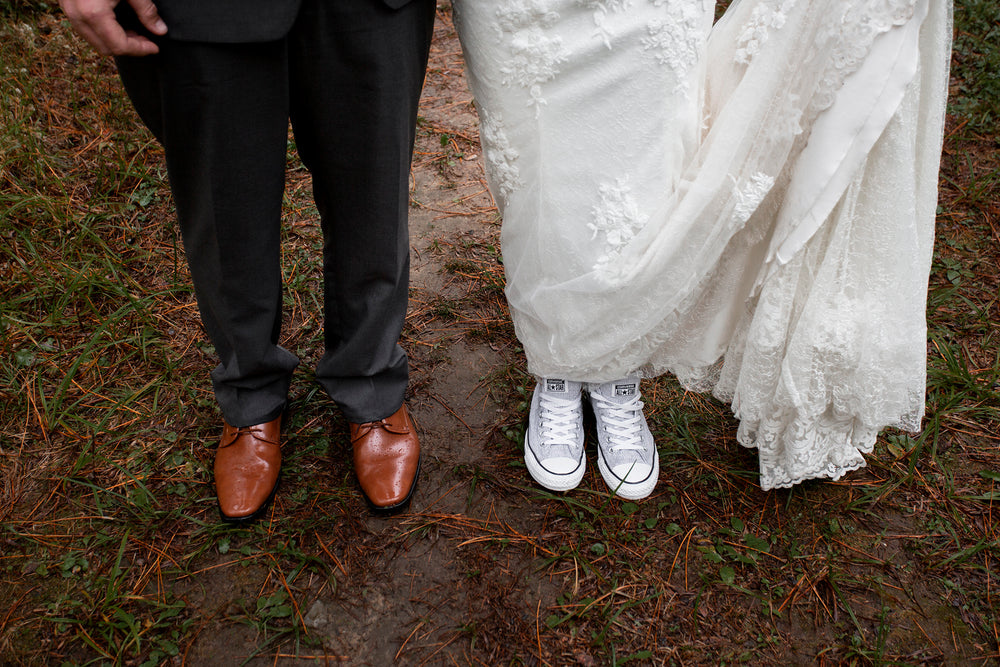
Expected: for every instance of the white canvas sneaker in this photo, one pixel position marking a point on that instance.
(627, 456)
(553, 444)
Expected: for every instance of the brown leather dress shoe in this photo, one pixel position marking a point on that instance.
(246, 469)
(386, 460)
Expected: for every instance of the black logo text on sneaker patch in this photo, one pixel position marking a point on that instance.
(626, 389)
(556, 386)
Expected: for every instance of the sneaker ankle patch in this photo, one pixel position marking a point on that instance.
(626, 389)
(555, 386)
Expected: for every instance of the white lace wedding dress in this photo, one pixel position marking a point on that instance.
(749, 206)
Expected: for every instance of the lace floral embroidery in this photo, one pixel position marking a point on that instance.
(754, 34)
(516, 15)
(618, 218)
(601, 10)
(850, 38)
(501, 157)
(749, 197)
(678, 40)
(606, 6)
(535, 55)
(788, 121)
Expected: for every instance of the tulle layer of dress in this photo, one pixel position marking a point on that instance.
(748, 205)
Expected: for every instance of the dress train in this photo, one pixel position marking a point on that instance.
(748, 205)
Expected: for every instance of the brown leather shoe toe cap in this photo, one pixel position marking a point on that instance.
(247, 465)
(387, 459)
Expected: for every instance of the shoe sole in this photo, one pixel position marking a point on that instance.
(552, 481)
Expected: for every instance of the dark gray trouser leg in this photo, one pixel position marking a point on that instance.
(356, 70)
(221, 112)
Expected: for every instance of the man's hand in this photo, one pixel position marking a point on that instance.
(96, 23)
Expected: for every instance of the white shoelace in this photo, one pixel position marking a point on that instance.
(559, 420)
(623, 421)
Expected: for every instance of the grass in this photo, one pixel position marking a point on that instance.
(110, 547)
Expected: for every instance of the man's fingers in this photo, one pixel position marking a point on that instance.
(148, 16)
(117, 42)
(102, 36)
(113, 40)
(137, 45)
(95, 21)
